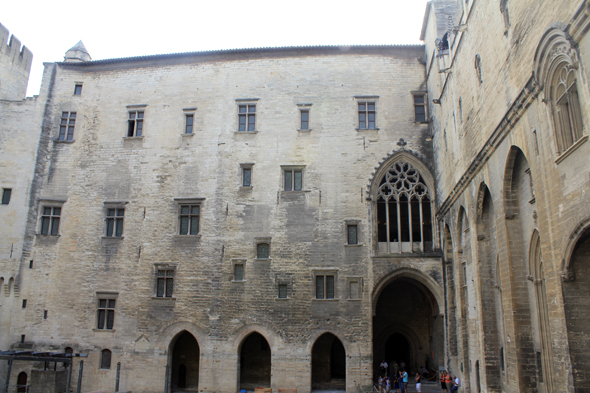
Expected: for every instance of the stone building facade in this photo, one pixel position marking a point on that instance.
(290, 217)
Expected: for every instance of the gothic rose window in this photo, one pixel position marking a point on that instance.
(404, 218)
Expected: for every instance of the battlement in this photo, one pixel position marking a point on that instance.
(20, 54)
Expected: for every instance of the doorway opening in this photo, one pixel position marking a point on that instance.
(328, 363)
(255, 362)
(185, 363)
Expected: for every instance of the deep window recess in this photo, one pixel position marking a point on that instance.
(304, 119)
(283, 291)
(352, 234)
(165, 283)
(135, 124)
(189, 219)
(262, 251)
(239, 272)
(6, 193)
(105, 359)
(404, 219)
(247, 117)
(188, 129)
(567, 114)
(66, 127)
(324, 287)
(354, 291)
(50, 221)
(366, 115)
(78, 90)
(419, 108)
(246, 177)
(293, 179)
(114, 220)
(106, 314)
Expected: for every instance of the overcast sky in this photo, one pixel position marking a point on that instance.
(124, 28)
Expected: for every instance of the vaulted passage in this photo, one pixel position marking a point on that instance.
(255, 362)
(328, 364)
(405, 328)
(185, 363)
(577, 312)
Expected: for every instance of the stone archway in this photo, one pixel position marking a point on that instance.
(186, 356)
(255, 362)
(407, 317)
(328, 364)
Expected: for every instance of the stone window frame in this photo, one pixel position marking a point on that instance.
(255, 114)
(292, 169)
(107, 296)
(103, 359)
(78, 88)
(262, 240)
(248, 166)
(67, 126)
(366, 99)
(6, 195)
(235, 263)
(179, 203)
(304, 108)
(189, 113)
(349, 281)
(316, 273)
(347, 225)
(164, 266)
(423, 104)
(118, 220)
(133, 122)
(50, 203)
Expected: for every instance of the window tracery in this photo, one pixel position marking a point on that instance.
(404, 218)
(566, 106)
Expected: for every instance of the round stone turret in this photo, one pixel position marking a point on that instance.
(77, 52)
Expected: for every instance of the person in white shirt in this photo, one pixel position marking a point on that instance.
(456, 385)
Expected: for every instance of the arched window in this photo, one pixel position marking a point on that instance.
(105, 359)
(565, 103)
(404, 218)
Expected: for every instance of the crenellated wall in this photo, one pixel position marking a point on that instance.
(15, 66)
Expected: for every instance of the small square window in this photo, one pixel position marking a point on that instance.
(246, 177)
(283, 291)
(106, 314)
(24, 303)
(247, 117)
(50, 217)
(262, 251)
(352, 233)
(165, 282)
(67, 125)
(420, 108)
(366, 115)
(304, 119)
(189, 119)
(135, 123)
(293, 179)
(114, 222)
(189, 219)
(239, 272)
(324, 287)
(6, 193)
(78, 89)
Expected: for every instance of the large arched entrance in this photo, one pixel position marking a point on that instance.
(255, 362)
(185, 363)
(406, 326)
(328, 364)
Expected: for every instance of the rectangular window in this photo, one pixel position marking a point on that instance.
(6, 193)
(50, 221)
(164, 283)
(324, 287)
(106, 314)
(246, 177)
(283, 291)
(293, 179)
(135, 124)
(66, 127)
(352, 234)
(366, 115)
(78, 90)
(189, 219)
(114, 220)
(304, 119)
(24, 303)
(238, 272)
(247, 117)
(419, 108)
(354, 291)
(189, 124)
(263, 251)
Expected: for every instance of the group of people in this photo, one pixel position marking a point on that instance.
(398, 383)
(448, 384)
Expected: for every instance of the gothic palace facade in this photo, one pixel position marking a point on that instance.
(289, 217)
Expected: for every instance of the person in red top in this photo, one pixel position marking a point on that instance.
(448, 380)
(443, 382)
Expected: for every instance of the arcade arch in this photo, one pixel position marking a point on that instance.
(328, 363)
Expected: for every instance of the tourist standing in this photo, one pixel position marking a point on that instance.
(404, 381)
(418, 382)
(443, 382)
(384, 366)
(380, 384)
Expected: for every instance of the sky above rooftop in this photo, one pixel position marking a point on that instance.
(124, 28)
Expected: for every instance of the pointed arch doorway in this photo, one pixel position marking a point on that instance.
(186, 356)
